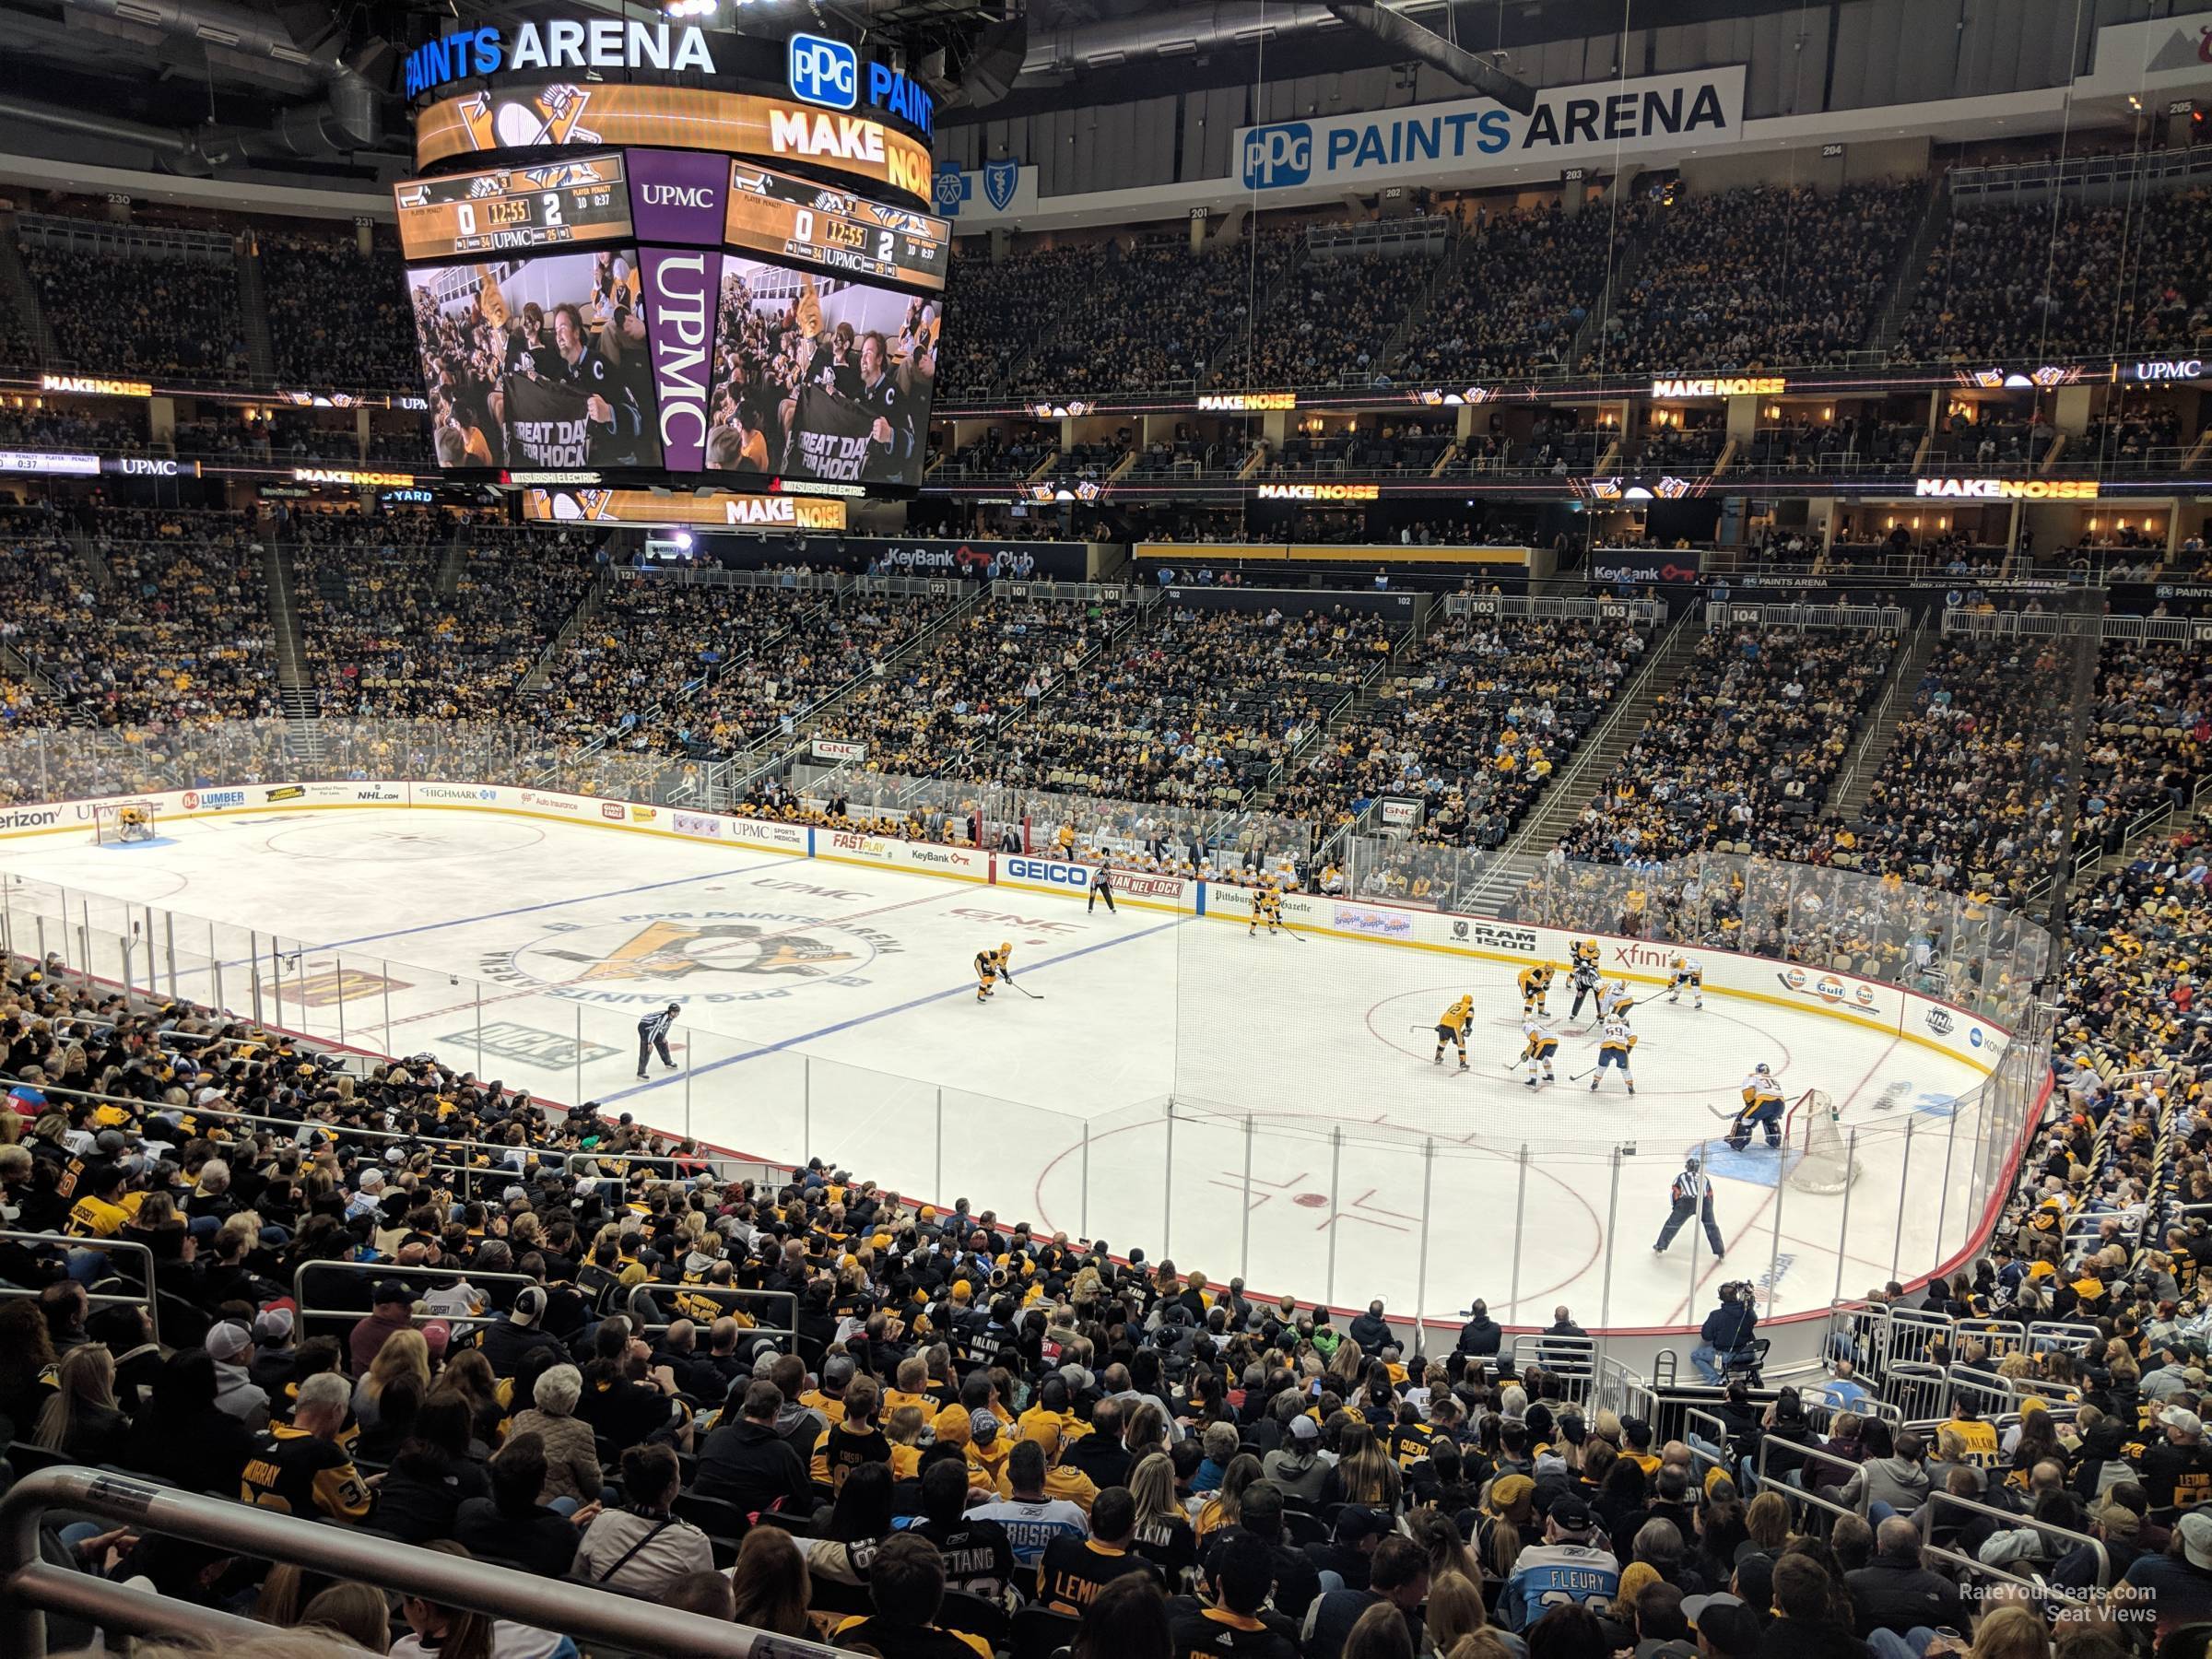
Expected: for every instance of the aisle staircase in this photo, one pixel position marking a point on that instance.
(540, 678)
(1578, 783)
(1854, 781)
(1903, 287)
(296, 692)
(260, 348)
(18, 290)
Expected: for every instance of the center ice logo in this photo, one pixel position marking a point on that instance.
(707, 956)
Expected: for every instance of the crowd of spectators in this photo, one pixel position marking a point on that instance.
(1193, 707)
(2013, 281)
(1749, 278)
(1740, 750)
(1523, 283)
(970, 685)
(382, 641)
(996, 308)
(1471, 725)
(164, 624)
(1329, 323)
(338, 318)
(136, 307)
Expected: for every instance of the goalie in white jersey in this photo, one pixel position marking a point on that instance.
(1687, 974)
(1615, 1039)
(1762, 1108)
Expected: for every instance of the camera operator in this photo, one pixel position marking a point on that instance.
(1725, 1336)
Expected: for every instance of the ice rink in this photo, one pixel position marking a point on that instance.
(1257, 1106)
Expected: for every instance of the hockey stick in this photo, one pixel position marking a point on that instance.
(1032, 995)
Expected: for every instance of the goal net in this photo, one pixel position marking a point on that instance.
(118, 822)
(1819, 1161)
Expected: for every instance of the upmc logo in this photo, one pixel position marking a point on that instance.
(1058, 875)
(823, 72)
(698, 197)
(1276, 156)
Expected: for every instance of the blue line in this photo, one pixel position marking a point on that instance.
(861, 1019)
(524, 910)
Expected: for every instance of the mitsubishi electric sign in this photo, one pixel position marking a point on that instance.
(1569, 125)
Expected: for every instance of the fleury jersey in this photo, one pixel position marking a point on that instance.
(1555, 1575)
(1614, 1036)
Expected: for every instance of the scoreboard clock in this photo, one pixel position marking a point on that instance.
(779, 216)
(514, 209)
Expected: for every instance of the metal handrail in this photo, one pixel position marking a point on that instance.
(2035, 1587)
(26, 1586)
(150, 1301)
(373, 1271)
(1775, 1483)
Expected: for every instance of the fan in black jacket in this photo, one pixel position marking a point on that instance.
(510, 1525)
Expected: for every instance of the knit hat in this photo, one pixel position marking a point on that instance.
(1507, 1490)
(951, 1427)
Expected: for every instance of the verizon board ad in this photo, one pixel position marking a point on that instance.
(538, 363)
(821, 377)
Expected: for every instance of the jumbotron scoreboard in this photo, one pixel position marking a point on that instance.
(514, 209)
(635, 258)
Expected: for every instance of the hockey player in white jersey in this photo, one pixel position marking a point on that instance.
(1688, 974)
(1615, 1039)
(1612, 996)
(1541, 1043)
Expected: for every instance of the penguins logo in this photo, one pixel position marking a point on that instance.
(676, 951)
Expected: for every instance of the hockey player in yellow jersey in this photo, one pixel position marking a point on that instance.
(1686, 973)
(1583, 951)
(1266, 907)
(1536, 984)
(1453, 1029)
(990, 968)
(1615, 1040)
(1541, 1043)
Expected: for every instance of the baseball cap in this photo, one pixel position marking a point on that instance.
(982, 1426)
(394, 1291)
(273, 1324)
(529, 1306)
(1725, 1625)
(838, 1368)
(1356, 1521)
(2196, 1532)
(1304, 1428)
(1571, 1515)
(1510, 1489)
(2188, 1422)
(229, 1340)
(1754, 1578)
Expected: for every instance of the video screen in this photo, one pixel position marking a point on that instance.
(821, 377)
(538, 363)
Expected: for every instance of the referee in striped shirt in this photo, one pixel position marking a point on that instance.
(1693, 1196)
(653, 1034)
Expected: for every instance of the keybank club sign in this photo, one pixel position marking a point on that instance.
(1569, 125)
(562, 44)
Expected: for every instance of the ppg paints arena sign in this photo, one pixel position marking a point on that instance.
(601, 43)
